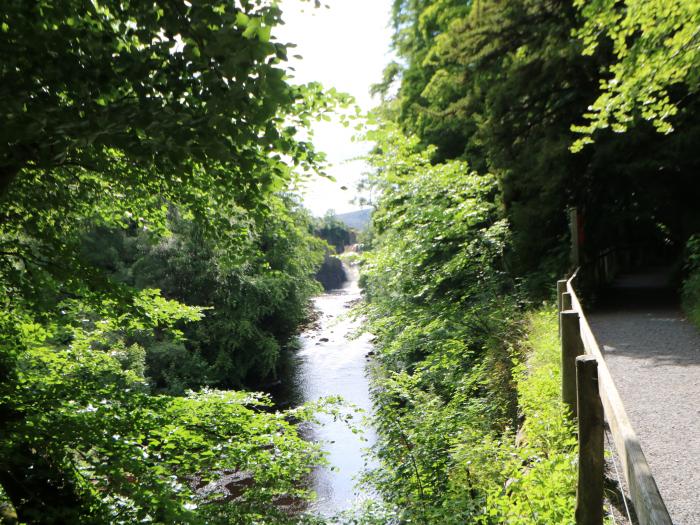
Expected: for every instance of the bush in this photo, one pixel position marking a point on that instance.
(691, 286)
(444, 314)
(173, 369)
(453, 459)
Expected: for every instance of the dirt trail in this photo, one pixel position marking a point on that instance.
(653, 353)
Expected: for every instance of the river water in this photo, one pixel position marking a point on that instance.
(329, 363)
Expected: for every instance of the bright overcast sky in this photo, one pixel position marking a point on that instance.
(346, 47)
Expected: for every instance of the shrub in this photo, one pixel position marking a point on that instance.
(691, 286)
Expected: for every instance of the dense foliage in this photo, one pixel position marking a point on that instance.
(539, 467)
(438, 303)
(500, 84)
(128, 87)
(334, 231)
(144, 155)
(475, 170)
(255, 303)
(655, 43)
(149, 249)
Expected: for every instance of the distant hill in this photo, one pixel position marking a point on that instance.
(358, 220)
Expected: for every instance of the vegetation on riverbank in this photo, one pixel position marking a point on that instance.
(443, 318)
(255, 299)
(148, 246)
(480, 152)
(447, 317)
(539, 466)
(446, 460)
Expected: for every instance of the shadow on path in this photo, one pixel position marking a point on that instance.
(653, 353)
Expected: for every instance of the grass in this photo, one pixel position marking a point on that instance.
(541, 471)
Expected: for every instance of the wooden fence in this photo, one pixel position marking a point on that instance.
(588, 388)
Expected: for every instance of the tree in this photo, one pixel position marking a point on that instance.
(459, 251)
(333, 231)
(656, 49)
(156, 82)
(254, 309)
(418, 25)
(114, 112)
(504, 82)
(146, 105)
(439, 303)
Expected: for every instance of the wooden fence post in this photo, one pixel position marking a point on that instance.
(589, 493)
(566, 301)
(561, 289)
(571, 348)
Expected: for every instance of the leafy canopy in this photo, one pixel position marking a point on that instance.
(157, 83)
(656, 44)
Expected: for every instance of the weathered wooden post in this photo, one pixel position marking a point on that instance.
(566, 301)
(571, 348)
(589, 493)
(561, 289)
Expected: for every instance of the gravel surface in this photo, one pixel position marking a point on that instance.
(653, 354)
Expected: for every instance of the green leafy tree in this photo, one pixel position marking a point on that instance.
(471, 224)
(655, 45)
(504, 82)
(113, 113)
(158, 83)
(93, 446)
(418, 24)
(333, 231)
(254, 308)
(438, 303)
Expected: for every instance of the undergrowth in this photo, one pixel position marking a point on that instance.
(457, 468)
(540, 465)
(691, 285)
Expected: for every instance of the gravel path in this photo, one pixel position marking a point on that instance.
(653, 354)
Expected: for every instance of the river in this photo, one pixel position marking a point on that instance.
(330, 362)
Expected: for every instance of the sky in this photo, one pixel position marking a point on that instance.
(345, 46)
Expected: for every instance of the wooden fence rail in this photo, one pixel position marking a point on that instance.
(577, 340)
